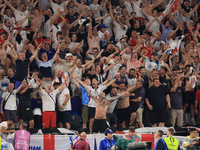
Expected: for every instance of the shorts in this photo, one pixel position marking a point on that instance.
(134, 106)
(26, 114)
(10, 114)
(189, 98)
(111, 118)
(49, 119)
(157, 116)
(139, 114)
(125, 112)
(99, 125)
(64, 116)
(85, 113)
(91, 112)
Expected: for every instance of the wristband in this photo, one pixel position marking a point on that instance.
(63, 104)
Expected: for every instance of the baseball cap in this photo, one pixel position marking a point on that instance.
(102, 94)
(108, 131)
(162, 42)
(103, 26)
(87, 25)
(154, 53)
(68, 54)
(124, 36)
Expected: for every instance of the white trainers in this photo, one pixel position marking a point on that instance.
(192, 122)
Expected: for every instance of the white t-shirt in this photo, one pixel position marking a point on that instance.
(100, 34)
(113, 71)
(48, 104)
(11, 101)
(61, 98)
(149, 65)
(5, 17)
(55, 30)
(132, 81)
(95, 7)
(95, 93)
(55, 6)
(155, 26)
(3, 124)
(19, 15)
(119, 31)
(113, 102)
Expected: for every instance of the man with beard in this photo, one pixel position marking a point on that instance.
(131, 77)
(110, 48)
(162, 78)
(123, 107)
(132, 62)
(137, 101)
(95, 89)
(112, 97)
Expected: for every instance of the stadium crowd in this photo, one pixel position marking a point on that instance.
(131, 62)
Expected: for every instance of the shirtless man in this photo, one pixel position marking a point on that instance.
(100, 114)
(3, 49)
(36, 20)
(93, 39)
(82, 8)
(189, 96)
(148, 8)
(123, 107)
(132, 62)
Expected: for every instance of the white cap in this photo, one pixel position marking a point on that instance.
(162, 42)
(68, 54)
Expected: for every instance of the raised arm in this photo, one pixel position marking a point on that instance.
(61, 86)
(13, 53)
(79, 81)
(56, 54)
(9, 5)
(104, 7)
(3, 10)
(90, 29)
(111, 82)
(75, 83)
(158, 3)
(111, 13)
(172, 33)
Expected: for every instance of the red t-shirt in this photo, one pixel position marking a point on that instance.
(149, 51)
(80, 145)
(60, 20)
(134, 43)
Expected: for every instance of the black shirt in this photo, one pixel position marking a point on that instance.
(156, 96)
(146, 82)
(33, 64)
(160, 145)
(63, 53)
(21, 69)
(25, 99)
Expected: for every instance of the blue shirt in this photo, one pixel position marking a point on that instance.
(165, 33)
(84, 94)
(106, 144)
(50, 53)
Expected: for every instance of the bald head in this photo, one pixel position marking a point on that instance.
(83, 135)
